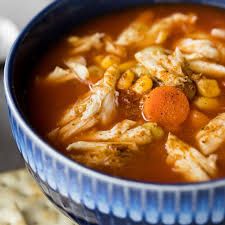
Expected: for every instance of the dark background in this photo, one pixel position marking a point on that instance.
(20, 12)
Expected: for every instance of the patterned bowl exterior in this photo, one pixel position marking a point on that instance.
(86, 196)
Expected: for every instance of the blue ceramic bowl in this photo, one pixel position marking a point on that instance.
(87, 196)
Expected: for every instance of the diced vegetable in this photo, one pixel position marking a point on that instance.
(143, 85)
(197, 119)
(156, 131)
(127, 65)
(126, 80)
(98, 59)
(204, 103)
(109, 60)
(167, 106)
(95, 71)
(208, 88)
(189, 89)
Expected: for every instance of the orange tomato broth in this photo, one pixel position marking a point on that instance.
(46, 103)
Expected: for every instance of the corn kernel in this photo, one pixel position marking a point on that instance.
(208, 88)
(98, 59)
(126, 80)
(204, 103)
(127, 65)
(143, 85)
(109, 60)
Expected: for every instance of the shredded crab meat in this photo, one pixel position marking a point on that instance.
(167, 68)
(77, 59)
(205, 48)
(218, 33)
(78, 68)
(98, 107)
(115, 132)
(164, 66)
(212, 136)
(140, 33)
(127, 131)
(101, 146)
(161, 29)
(110, 154)
(209, 69)
(114, 48)
(87, 43)
(60, 75)
(189, 162)
(134, 63)
(136, 31)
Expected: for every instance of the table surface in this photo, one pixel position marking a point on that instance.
(9, 155)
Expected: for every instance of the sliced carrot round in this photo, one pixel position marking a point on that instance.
(167, 106)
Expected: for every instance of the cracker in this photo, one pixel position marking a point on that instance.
(18, 188)
(20, 181)
(11, 215)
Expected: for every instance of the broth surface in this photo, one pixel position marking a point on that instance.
(47, 102)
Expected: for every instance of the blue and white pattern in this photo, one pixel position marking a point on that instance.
(87, 196)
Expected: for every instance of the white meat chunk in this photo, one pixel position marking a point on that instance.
(205, 48)
(84, 146)
(167, 68)
(212, 136)
(59, 75)
(114, 48)
(136, 31)
(161, 30)
(218, 33)
(76, 70)
(115, 146)
(102, 154)
(129, 131)
(209, 69)
(115, 132)
(87, 43)
(78, 67)
(98, 106)
(162, 66)
(189, 162)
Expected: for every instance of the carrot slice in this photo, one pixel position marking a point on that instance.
(167, 106)
(197, 119)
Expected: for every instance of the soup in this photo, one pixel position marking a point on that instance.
(139, 94)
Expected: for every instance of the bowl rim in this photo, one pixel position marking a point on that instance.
(44, 146)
